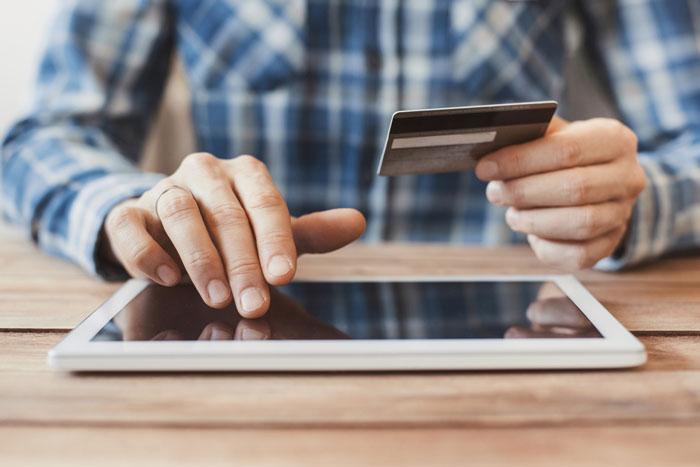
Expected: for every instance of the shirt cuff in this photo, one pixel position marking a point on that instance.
(647, 234)
(89, 210)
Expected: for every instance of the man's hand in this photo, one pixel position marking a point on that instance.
(572, 191)
(226, 223)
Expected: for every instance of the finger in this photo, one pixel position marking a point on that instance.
(217, 331)
(576, 144)
(230, 229)
(569, 223)
(558, 311)
(325, 231)
(183, 224)
(252, 330)
(569, 187)
(575, 255)
(137, 251)
(269, 217)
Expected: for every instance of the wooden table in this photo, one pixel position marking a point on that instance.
(647, 416)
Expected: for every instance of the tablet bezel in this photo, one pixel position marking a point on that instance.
(616, 348)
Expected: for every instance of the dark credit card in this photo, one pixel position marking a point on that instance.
(455, 138)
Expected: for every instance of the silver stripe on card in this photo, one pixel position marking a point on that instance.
(443, 140)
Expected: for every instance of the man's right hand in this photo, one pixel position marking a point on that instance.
(226, 223)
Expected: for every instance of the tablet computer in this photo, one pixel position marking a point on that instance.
(365, 324)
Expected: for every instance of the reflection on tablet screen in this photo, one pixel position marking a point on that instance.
(359, 310)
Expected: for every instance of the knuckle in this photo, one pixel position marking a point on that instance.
(266, 201)
(175, 205)
(199, 160)
(202, 259)
(141, 254)
(119, 218)
(609, 126)
(259, 177)
(275, 237)
(243, 266)
(248, 162)
(587, 222)
(577, 187)
(569, 152)
(226, 216)
(615, 130)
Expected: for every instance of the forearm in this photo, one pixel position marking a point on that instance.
(59, 182)
(73, 157)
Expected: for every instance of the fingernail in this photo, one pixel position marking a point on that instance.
(488, 169)
(279, 266)
(218, 292)
(512, 218)
(251, 299)
(252, 335)
(166, 274)
(494, 192)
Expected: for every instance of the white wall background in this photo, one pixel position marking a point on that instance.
(23, 30)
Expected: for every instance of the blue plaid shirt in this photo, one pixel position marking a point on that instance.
(309, 86)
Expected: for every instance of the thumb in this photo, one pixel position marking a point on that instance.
(324, 231)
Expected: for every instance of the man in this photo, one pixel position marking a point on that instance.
(307, 87)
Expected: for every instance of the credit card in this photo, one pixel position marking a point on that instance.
(455, 138)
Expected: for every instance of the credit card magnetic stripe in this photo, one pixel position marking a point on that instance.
(424, 121)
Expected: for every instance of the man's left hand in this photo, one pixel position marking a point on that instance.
(571, 191)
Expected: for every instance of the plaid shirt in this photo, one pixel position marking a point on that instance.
(309, 86)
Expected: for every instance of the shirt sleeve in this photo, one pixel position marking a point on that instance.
(73, 155)
(650, 51)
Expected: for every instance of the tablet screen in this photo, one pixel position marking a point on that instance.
(359, 310)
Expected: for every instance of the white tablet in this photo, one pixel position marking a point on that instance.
(386, 323)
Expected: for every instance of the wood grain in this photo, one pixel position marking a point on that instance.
(666, 390)
(645, 416)
(594, 446)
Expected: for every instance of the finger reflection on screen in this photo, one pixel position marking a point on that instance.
(216, 331)
(358, 310)
(178, 313)
(559, 311)
(252, 330)
(553, 315)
